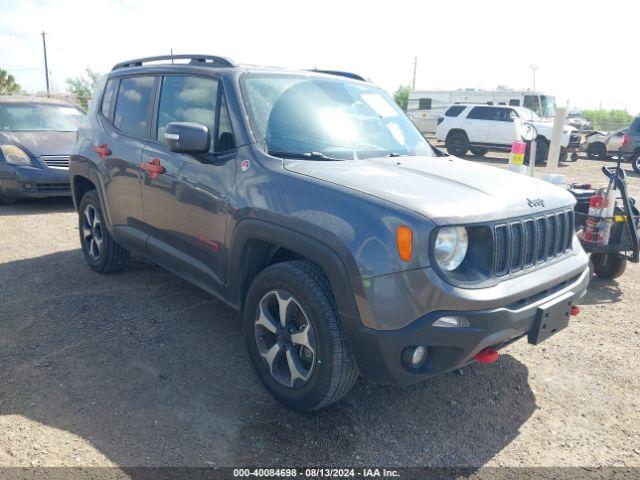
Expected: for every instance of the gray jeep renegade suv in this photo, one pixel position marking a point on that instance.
(311, 204)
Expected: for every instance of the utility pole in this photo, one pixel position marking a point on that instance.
(533, 69)
(46, 66)
(415, 69)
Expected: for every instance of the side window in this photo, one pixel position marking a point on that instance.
(454, 111)
(637, 125)
(513, 115)
(479, 113)
(514, 102)
(424, 104)
(107, 97)
(225, 140)
(187, 99)
(501, 114)
(532, 102)
(132, 105)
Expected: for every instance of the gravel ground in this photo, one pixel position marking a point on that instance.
(140, 368)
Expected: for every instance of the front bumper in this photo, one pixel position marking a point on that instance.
(378, 353)
(33, 182)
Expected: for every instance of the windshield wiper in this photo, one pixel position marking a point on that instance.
(304, 156)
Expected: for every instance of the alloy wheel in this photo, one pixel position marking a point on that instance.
(285, 338)
(92, 232)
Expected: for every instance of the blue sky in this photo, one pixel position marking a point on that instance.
(584, 53)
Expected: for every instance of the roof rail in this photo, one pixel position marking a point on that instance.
(209, 60)
(340, 73)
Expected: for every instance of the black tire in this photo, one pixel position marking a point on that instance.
(332, 371)
(542, 151)
(608, 266)
(574, 157)
(6, 199)
(479, 151)
(635, 162)
(597, 150)
(457, 144)
(103, 257)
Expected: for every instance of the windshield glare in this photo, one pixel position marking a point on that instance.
(33, 117)
(336, 118)
(548, 106)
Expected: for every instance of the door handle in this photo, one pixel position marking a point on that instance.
(102, 150)
(153, 167)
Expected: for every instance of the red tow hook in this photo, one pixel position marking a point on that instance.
(488, 355)
(575, 310)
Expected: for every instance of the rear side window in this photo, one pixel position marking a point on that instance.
(514, 102)
(107, 97)
(480, 113)
(187, 99)
(637, 125)
(424, 104)
(132, 105)
(454, 111)
(502, 115)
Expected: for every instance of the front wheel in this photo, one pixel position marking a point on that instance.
(608, 266)
(100, 250)
(295, 338)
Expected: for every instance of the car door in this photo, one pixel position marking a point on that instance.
(501, 129)
(185, 206)
(476, 124)
(125, 114)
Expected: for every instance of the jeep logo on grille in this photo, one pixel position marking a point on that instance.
(536, 202)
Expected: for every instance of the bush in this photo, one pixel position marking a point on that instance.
(608, 120)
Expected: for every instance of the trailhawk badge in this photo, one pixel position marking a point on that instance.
(244, 165)
(536, 202)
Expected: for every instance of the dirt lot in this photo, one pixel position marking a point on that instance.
(141, 368)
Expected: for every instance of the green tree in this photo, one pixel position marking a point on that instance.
(402, 97)
(608, 119)
(8, 84)
(82, 87)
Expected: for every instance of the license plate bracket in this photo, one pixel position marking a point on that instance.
(551, 317)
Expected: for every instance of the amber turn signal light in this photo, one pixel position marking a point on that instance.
(404, 237)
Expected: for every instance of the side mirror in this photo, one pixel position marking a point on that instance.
(187, 137)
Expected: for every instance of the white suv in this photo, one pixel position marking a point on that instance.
(481, 128)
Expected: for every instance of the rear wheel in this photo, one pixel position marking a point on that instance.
(457, 144)
(479, 151)
(295, 337)
(100, 250)
(635, 162)
(608, 266)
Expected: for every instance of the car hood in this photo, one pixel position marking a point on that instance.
(39, 143)
(446, 190)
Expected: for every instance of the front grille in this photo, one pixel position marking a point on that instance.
(56, 161)
(531, 241)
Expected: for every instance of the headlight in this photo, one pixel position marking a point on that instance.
(15, 155)
(451, 247)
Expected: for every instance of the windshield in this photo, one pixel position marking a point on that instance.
(324, 119)
(30, 117)
(548, 106)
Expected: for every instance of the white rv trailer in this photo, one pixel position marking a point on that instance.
(426, 106)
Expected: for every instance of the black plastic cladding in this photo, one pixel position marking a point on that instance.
(549, 236)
